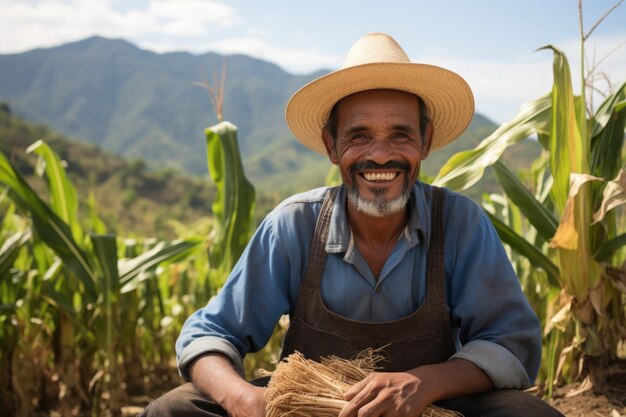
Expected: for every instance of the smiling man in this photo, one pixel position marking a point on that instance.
(382, 261)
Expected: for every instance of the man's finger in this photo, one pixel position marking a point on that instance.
(361, 396)
(377, 407)
(356, 388)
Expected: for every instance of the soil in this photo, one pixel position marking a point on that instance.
(575, 400)
(588, 404)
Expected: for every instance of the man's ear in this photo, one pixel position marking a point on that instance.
(329, 144)
(427, 141)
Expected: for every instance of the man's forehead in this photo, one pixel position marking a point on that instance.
(364, 95)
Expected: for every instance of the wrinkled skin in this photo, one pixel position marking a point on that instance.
(378, 128)
(394, 394)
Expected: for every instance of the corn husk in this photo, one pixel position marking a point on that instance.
(300, 387)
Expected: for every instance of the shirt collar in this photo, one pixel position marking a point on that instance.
(417, 229)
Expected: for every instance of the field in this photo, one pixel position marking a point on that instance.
(89, 314)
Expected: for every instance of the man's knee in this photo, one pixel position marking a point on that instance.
(184, 401)
(510, 403)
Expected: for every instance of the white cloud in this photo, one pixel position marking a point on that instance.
(501, 86)
(52, 22)
(195, 11)
(295, 60)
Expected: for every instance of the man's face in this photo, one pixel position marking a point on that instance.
(378, 149)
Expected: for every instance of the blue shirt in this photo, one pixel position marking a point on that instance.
(493, 324)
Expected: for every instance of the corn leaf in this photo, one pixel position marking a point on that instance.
(333, 177)
(571, 193)
(536, 213)
(608, 135)
(609, 247)
(567, 235)
(52, 273)
(568, 151)
(10, 250)
(105, 248)
(522, 247)
(63, 200)
(614, 195)
(130, 269)
(464, 169)
(49, 227)
(613, 103)
(234, 201)
(61, 302)
(97, 225)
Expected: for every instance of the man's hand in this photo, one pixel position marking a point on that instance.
(248, 402)
(387, 394)
(213, 374)
(409, 393)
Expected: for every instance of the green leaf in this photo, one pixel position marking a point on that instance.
(10, 250)
(52, 273)
(608, 135)
(607, 108)
(7, 308)
(130, 269)
(62, 303)
(464, 169)
(234, 202)
(333, 177)
(49, 227)
(536, 213)
(105, 248)
(609, 247)
(522, 247)
(63, 200)
(97, 225)
(568, 147)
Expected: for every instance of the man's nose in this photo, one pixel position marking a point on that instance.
(379, 151)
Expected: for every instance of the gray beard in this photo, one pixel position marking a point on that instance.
(379, 206)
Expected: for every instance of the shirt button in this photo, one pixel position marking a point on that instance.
(378, 290)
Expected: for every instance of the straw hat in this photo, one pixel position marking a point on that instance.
(377, 61)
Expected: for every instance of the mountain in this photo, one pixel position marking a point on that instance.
(140, 104)
(130, 199)
(144, 105)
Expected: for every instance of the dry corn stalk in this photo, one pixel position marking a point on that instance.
(300, 387)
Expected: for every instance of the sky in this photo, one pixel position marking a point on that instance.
(491, 43)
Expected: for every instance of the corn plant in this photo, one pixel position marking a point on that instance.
(233, 208)
(233, 211)
(572, 237)
(66, 297)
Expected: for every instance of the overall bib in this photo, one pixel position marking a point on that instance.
(421, 338)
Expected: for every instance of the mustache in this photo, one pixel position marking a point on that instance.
(365, 165)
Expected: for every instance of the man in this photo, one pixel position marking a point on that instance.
(382, 261)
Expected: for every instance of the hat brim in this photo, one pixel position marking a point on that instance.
(448, 98)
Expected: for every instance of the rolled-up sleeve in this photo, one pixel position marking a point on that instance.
(498, 330)
(242, 316)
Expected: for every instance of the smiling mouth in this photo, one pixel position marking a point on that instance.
(380, 176)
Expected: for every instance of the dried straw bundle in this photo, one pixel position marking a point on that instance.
(300, 387)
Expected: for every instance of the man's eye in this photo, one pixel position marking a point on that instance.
(400, 136)
(359, 137)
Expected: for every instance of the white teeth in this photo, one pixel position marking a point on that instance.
(379, 176)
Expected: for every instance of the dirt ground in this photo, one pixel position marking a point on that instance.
(588, 404)
(576, 400)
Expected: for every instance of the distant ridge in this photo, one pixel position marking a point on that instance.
(140, 104)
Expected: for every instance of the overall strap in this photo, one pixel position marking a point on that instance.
(435, 275)
(316, 262)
